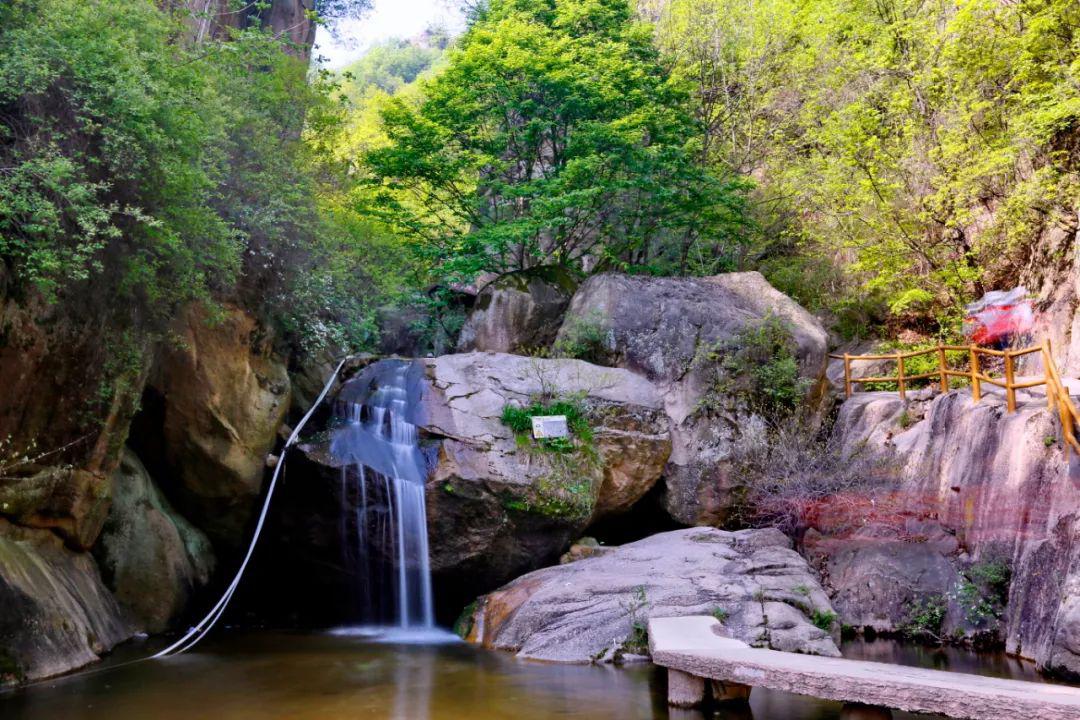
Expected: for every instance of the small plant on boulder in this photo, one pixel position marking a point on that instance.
(925, 616)
(823, 619)
(583, 338)
(567, 490)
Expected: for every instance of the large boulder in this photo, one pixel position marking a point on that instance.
(882, 574)
(519, 311)
(596, 609)
(151, 557)
(670, 330)
(985, 489)
(221, 393)
(499, 505)
(55, 613)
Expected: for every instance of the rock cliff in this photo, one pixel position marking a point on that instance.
(91, 551)
(974, 488)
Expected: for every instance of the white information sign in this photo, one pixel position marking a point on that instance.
(549, 426)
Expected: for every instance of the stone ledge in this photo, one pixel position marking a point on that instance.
(696, 646)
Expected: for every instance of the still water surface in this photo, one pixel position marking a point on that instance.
(251, 676)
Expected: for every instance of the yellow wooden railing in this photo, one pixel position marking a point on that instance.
(1057, 395)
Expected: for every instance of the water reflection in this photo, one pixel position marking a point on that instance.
(327, 677)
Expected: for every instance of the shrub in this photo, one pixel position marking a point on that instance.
(757, 368)
(583, 338)
(984, 591)
(789, 473)
(823, 619)
(925, 617)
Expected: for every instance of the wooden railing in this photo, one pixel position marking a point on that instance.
(1057, 394)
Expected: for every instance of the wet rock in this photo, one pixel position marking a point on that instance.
(71, 383)
(223, 394)
(71, 502)
(763, 590)
(665, 328)
(55, 613)
(518, 312)
(151, 557)
(402, 331)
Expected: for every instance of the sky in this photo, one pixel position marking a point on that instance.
(387, 19)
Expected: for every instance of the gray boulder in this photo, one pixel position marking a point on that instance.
(519, 311)
(596, 609)
(151, 557)
(498, 506)
(55, 613)
(880, 575)
(666, 329)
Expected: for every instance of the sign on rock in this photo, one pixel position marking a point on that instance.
(549, 426)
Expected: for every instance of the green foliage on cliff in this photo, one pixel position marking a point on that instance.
(141, 169)
(757, 367)
(567, 490)
(519, 419)
(907, 153)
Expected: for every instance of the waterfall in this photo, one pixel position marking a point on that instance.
(384, 519)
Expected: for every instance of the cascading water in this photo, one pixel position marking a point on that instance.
(384, 520)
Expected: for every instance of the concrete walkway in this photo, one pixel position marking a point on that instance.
(693, 648)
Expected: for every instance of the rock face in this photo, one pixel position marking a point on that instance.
(664, 329)
(974, 485)
(222, 396)
(497, 506)
(71, 502)
(880, 572)
(587, 610)
(55, 613)
(1053, 275)
(518, 312)
(151, 557)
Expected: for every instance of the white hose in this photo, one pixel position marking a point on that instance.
(199, 631)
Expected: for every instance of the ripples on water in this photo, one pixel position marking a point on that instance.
(350, 674)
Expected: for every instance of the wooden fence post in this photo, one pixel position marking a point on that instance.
(847, 375)
(943, 367)
(976, 388)
(900, 374)
(1047, 358)
(1010, 391)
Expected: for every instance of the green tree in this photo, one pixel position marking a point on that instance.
(388, 66)
(553, 135)
(905, 152)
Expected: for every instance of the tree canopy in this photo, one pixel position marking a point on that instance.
(552, 134)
